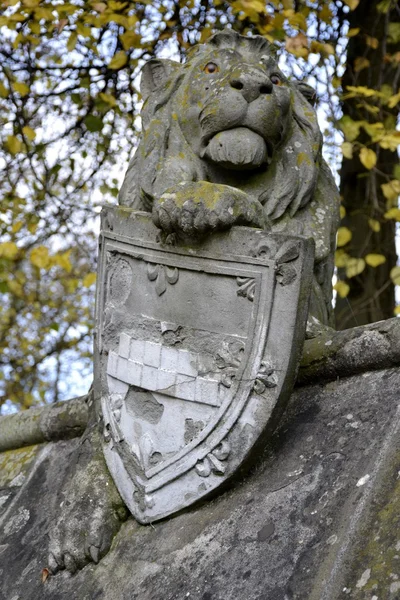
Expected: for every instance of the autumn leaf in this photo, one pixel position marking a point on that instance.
(347, 150)
(21, 88)
(352, 4)
(350, 128)
(342, 288)
(89, 279)
(374, 225)
(341, 258)
(62, 260)
(108, 99)
(342, 211)
(40, 257)
(361, 63)
(354, 267)
(374, 260)
(8, 250)
(391, 190)
(298, 45)
(29, 133)
(45, 574)
(393, 213)
(14, 144)
(395, 275)
(118, 61)
(344, 236)
(368, 158)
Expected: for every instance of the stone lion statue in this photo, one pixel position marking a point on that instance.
(228, 140)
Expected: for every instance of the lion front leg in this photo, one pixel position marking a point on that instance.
(199, 208)
(91, 509)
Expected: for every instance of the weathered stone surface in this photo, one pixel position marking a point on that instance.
(182, 414)
(59, 421)
(228, 140)
(303, 524)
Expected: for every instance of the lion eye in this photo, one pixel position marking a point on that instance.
(276, 80)
(211, 68)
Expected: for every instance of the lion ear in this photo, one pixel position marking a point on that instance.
(307, 91)
(155, 74)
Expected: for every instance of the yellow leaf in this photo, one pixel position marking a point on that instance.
(8, 250)
(62, 260)
(130, 39)
(395, 275)
(368, 158)
(342, 288)
(21, 88)
(393, 100)
(89, 279)
(393, 213)
(397, 310)
(108, 98)
(29, 133)
(374, 225)
(40, 257)
(344, 235)
(341, 258)
(118, 61)
(342, 212)
(354, 267)
(372, 42)
(352, 4)
(350, 128)
(361, 90)
(347, 150)
(353, 31)
(391, 190)
(16, 226)
(73, 38)
(15, 287)
(14, 144)
(325, 14)
(360, 63)
(3, 90)
(374, 260)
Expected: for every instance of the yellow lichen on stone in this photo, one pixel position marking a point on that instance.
(16, 462)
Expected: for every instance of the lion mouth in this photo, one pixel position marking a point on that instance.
(237, 148)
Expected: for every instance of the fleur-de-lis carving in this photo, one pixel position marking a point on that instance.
(228, 360)
(247, 287)
(266, 378)
(214, 461)
(162, 275)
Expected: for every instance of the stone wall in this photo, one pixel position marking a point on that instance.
(317, 517)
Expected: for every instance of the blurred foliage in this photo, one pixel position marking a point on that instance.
(69, 105)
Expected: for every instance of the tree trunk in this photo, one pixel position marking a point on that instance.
(371, 297)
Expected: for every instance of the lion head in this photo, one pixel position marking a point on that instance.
(229, 108)
(230, 116)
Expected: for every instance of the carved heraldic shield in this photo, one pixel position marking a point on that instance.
(196, 354)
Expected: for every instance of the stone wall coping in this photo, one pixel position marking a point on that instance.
(327, 357)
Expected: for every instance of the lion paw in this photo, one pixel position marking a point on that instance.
(195, 209)
(91, 511)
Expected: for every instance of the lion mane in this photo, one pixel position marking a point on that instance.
(295, 187)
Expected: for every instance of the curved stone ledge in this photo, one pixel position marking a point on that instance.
(331, 355)
(340, 354)
(63, 420)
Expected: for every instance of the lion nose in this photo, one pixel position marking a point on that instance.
(252, 85)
